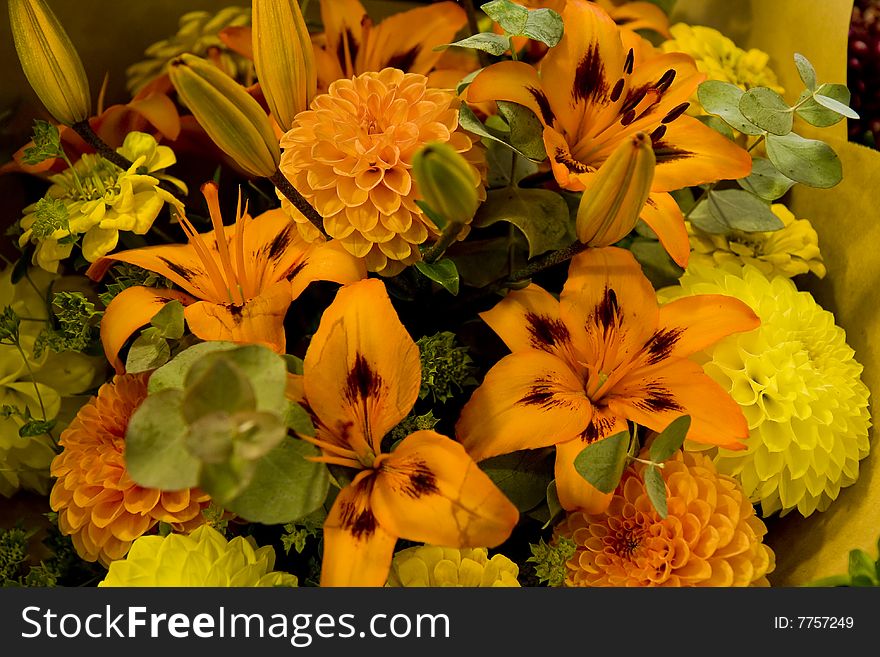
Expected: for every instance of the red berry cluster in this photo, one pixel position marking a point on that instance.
(864, 71)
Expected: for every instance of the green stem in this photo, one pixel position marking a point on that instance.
(84, 130)
(474, 28)
(550, 260)
(654, 463)
(299, 201)
(700, 199)
(447, 237)
(36, 387)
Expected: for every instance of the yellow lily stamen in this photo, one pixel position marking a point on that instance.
(238, 243)
(210, 192)
(196, 241)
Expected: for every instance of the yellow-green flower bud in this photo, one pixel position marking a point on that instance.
(609, 210)
(49, 61)
(284, 58)
(232, 118)
(446, 182)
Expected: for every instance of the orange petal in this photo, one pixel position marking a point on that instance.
(328, 261)
(638, 16)
(516, 82)
(607, 291)
(259, 321)
(692, 324)
(238, 38)
(357, 550)
(664, 217)
(160, 111)
(272, 248)
(406, 40)
(344, 22)
(654, 396)
(362, 370)
(131, 309)
(528, 400)
(691, 153)
(573, 490)
(430, 490)
(530, 319)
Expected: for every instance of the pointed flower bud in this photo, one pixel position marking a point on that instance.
(228, 113)
(609, 210)
(284, 58)
(50, 61)
(447, 183)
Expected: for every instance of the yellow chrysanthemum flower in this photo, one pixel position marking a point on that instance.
(456, 567)
(34, 385)
(99, 199)
(351, 156)
(799, 386)
(710, 536)
(721, 59)
(790, 251)
(198, 34)
(202, 558)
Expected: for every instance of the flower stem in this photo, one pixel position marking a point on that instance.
(84, 130)
(447, 237)
(475, 29)
(551, 259)
(299, 201)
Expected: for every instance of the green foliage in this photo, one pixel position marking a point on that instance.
(656, 489)
(151, 349)
(217, 417)
(443, 272)
(819, 115)
(526, 145)
(494, 44)
(602, 462)
(734, 209)
(541, 215)
(524, 130)
(550, 559)
(807, 161)
(74, 322)
(47, 144)
(544, 25)
(125, 276)
(522, 476)
(296, 534)
(10, 323)
(447, 369)
(49, 215)
(766, 181)
(412, 423)
(767, 110)
(862, 570)
(13, 553)
(667, 443)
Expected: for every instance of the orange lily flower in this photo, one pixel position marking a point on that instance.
(601, 85)
(237, 281)
(351, 44)
(601, 355)
(361, 377)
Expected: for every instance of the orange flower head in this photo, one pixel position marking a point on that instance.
(237, 281)
(351, 156)
(604, 354)
(710, 536)
(598, 87)
(98, 504)
(361, 377)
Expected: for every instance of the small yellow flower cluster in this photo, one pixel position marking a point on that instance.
(97, 199)
(456, 567)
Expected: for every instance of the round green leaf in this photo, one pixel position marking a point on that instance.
(544, 25)
(443, 272)
(817, 115)
(806, 161)
(656, 489)
(510, 16)
(526, 130)
(805, 70)
(722, 99)
(522, 476)
(765, 180)
(494, 44)
(172, 374)
(670, 440)
(219, 386)
(767, 110)
(602, 462)
(741, 210)
(540, 214)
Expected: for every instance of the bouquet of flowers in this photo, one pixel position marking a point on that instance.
(526, 293)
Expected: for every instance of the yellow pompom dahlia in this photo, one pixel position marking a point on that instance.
(710, 537)
(721, 59)
(351, 156)
(789, 251)
(98, 504)
(799, 387)
(203, 558)
(429, 565)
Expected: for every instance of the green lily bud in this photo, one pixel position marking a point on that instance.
(609, 210)
(446, 182)
(50, 61)
(228, 113)
(284, 58)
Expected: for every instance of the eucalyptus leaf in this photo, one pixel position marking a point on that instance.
(702, 217)
(284, 486)
(722, 99)
(738, 209)
(602, 462)
(767, 109)
(526, 130)
(294, 364)
(806, 161)
(670, 440)
(156, 455)
(835, 106)
(554, 507)
(444, 272)
(765, 180)
(540, 214)
(148, 351)
(226, 480)
(172, 374)
(655, 486)
(219, 386)
(169, 320)
(494, 44)
(469, 121)
(717, 124)
(211, 438)
(822, 117)
(510, 16)
(806, 71)
(656, 264)
(479, 262)
(298, 419)
(544, 25)
(522, 476)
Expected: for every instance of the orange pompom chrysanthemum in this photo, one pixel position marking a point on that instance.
(98, 504)
(710, 537)
(351, 154)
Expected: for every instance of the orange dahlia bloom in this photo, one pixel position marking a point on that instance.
(351, 154)
(98, 504)
(710, 537)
